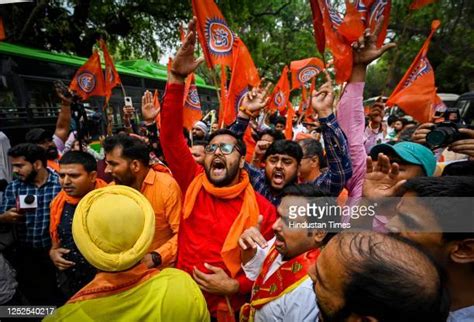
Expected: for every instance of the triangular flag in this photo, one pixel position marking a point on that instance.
(281, 93)
(215, 36)
(223, 94)
(112, 78)
(244, 73)
(89, 80)
(380, 9)
(415, 94)
(302, 71)
(319, 35)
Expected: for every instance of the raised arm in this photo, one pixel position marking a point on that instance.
(63, 123)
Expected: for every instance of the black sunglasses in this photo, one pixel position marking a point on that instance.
(226, 148)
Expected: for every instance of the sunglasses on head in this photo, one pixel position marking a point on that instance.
(226, 148)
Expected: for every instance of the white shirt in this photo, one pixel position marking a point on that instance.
(297, 305)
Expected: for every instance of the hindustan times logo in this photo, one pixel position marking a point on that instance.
(319, 211)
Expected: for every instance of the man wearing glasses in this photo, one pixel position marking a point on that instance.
(220, 202)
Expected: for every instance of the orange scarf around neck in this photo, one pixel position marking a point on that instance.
(247, 217)
(57, 206)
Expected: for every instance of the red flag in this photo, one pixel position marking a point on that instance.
(289, 122)
(352, 26)
(156, 105)
(215, 36)
(302, 71)
(112, 78)
(281, 93)
(416, 92)
(380, 9)
(341, 51)
(417, 4)
(250, 144)
(89, 80)
(192, 104)
(2, 30)
(319, 35)
(244, 73)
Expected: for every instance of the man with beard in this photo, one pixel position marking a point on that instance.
(78, 176)
(436, 213)
(198, 151)
(373, 277)
(200, 130)
(42, 138)
(283, 291)
(128, 162)
(220, 202)
(282, 159)
(36, 272)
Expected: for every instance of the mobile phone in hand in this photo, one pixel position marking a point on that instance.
(128, 101)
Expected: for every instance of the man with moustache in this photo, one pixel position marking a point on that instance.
(78, 176)
(283, 157)
(36, 272)
(283, 291)
(220, 202)
(128, 162)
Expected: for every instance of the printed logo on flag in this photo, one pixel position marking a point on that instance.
(192, 101)
(376, 11)
(220, 38)
(279, 99)
(421, 69)
(335, 17)
(86, 81)
(305, 74)
(240, 98)
(109, 72)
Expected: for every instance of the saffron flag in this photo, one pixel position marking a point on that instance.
(289, 122)
(215, 36)
(319, 35)
(302, 71)
(89, 80)
(244, 73)
(223, 92)
(417, 4)
(415, 94)
(112, 78)
(379, 9)
(281, 93)
(341, 51)
(192, 104)
(352, 27)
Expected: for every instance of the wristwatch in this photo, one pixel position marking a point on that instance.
(156, 258)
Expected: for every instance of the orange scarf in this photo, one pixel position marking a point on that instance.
(57, 206)
(248, 215)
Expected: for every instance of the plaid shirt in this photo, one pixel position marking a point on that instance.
(337, 154)
(35, 231)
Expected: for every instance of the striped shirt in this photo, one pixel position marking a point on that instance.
(34, 232)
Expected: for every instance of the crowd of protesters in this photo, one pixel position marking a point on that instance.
(157, 223)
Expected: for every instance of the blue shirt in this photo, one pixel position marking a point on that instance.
(34, 232)
(462, 315)
(337, 153)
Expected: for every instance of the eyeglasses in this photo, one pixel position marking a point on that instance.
(226, 148)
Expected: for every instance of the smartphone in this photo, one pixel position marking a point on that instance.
(128, 101)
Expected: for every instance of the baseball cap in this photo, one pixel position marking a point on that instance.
(410, 152)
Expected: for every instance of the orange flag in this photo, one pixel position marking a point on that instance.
(319, 35)
(302, 71)
(215, 36)
(415, 94)
(112, 78)
(353, 25)
(2, 30)
(223, 101)
(417, 4)
(244, 73)
(289, 122)
(281, 93)
(89, 80)
(192, 105)
(379, 9)
(156, 105)
(341, 51)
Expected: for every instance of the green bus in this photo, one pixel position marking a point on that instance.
(28, 99)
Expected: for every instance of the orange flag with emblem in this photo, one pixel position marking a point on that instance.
(112, 78)
(216, 38)
(415, 94)
(192, 104)
(244, 74)
(379, 9)
(281, 93)
(89, 80)
(418, 4)
(302, 71)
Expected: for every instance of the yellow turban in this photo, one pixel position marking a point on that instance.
(113, 227)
